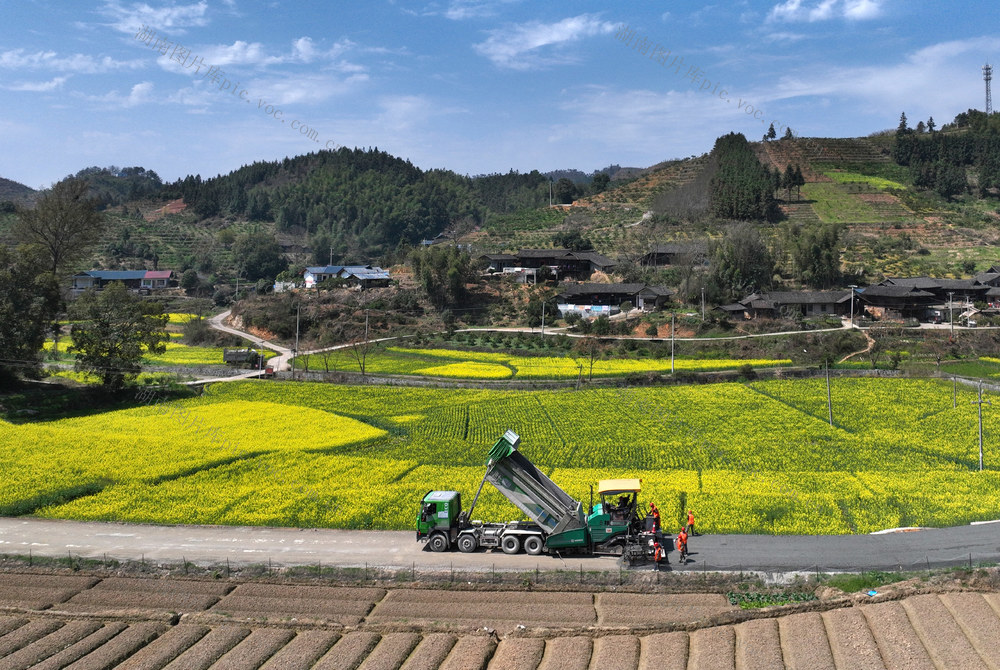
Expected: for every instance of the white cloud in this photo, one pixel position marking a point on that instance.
(38, 87)
(302, 89)
(824, 10)
(528, 45)
(50, 60)
(254, 54)
(138, 95)
(459, 10)
(943, 78)
(174, 18)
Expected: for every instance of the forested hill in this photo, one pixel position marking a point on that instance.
(12, 191)
(358, 202)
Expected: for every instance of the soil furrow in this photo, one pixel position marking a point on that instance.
(979, 622)
(431, 652)
(758, 645)
(554, 615)
(120, 647)
(803, 642)
(941, 634)
(471, 652)
(898, 643)
(616, 651)
(391, 651)
(209, 649)
(11, 623)
(302, 652)
(567, 653)
(851, 641)
(713, 649)
(51, 644)
(518, 653)
(255, 649)
(77, 651)
(35, 629)
(664, 651)
(349, 652)
(165, 648)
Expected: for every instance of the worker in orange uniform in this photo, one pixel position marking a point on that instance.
(658, 555)
(682, 546)
(656, 517)
(690, 525)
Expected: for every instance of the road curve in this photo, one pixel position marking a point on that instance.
(214, 545)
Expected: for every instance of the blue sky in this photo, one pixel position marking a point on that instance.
(476, 86)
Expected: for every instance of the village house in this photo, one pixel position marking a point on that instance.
(360, 276)
(589, 299)
(562, 262)
(135, 280)
(792, 304)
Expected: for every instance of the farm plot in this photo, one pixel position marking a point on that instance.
(754, 458)
(420, 629)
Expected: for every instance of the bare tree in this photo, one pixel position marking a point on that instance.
(64, 222)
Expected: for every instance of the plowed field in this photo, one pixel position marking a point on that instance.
(94, 623)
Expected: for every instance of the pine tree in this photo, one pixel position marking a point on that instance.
(788, 134)
(931, 125)
(771, 132)
(788, 181)
(800, 181)
(902, 129)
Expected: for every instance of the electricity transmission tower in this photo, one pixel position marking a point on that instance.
(987, 77)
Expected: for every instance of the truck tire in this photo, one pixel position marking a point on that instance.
(438, 542)
(533, 545)
(467, 544)
(510, 544)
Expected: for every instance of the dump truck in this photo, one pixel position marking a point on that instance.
(613, 526)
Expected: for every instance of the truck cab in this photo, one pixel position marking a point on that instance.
(437, 518)
(616, 512)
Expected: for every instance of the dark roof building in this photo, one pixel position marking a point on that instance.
(596, 299)
(792, 304)
(565, 262)
(137, 280)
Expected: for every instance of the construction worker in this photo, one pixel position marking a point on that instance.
(656, 517)
(690, 523)
(658, 555)
(682, 546)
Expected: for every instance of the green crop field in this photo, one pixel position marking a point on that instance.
(753, 458)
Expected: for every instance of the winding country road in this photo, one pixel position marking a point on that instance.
(215, 545)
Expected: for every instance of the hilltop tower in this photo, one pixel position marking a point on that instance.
(987, 77)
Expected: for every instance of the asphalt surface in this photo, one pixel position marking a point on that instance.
(214, 545)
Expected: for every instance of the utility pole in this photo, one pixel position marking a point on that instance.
(954, 392)
(703, 304)
(829, 399)
(672, 343)
(295, 351)
(980, 402)
(543, 320)
(852, 287)
(951, 313)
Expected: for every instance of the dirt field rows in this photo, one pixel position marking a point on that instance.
(80, 622)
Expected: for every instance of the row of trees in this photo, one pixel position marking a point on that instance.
(742, 188)
(938, 160)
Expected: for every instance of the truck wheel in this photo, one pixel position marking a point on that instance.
(438, 542)
(510, 544)
(467, 544)
(533, 545)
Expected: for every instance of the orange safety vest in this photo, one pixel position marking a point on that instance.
(682, 540)
(658, 555)
(690, 518)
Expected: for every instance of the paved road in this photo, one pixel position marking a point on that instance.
(213, 545)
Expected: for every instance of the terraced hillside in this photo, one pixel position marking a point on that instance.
(55, 621)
